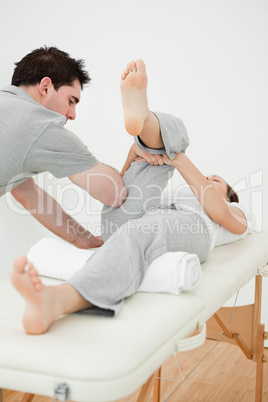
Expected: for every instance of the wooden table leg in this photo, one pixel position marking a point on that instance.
(157, 387)
(146, 389)
(259, 361)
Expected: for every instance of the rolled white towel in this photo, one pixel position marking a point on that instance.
(172, 272)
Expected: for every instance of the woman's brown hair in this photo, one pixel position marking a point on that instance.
(231, 194)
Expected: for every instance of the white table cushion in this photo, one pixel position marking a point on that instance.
(104, 359)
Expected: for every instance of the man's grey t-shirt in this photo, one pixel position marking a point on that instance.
(33, 140)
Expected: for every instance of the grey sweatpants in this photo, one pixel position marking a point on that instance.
(141, 230)
(145, 183)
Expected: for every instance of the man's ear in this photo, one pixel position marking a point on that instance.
(45, 86)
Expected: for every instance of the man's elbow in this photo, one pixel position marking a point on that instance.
(117, 198)
(24, 193)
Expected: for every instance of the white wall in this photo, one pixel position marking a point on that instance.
(207, 63)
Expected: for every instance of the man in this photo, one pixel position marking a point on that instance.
(46, 87)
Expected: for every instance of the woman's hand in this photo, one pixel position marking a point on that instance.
(152, 159)
(137, 154)
(167, 160)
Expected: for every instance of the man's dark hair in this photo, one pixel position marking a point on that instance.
(49, 62)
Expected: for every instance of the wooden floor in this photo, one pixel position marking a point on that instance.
(224, 376)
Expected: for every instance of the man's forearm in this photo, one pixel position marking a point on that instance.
(50, 214)
(53, 217)
(103, 183)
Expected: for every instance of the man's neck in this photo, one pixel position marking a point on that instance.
(32, 91)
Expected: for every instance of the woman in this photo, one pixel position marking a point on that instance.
(141, 229)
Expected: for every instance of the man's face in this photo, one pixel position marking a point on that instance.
(64, 100)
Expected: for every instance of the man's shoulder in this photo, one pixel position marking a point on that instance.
(18, 105)
(13, 92)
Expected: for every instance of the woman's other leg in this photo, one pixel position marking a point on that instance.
(116, 270)
(44, 304)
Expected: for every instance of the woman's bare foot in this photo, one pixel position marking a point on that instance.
(44, 304)
(38, 314)
(134, 97)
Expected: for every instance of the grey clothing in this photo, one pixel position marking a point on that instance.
(140, 231)
(145, 183)
(33, 140)
(174, 136)
(117, 269)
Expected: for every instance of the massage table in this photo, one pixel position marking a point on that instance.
(93, 358)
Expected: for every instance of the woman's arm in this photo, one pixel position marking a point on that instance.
(228, 216)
